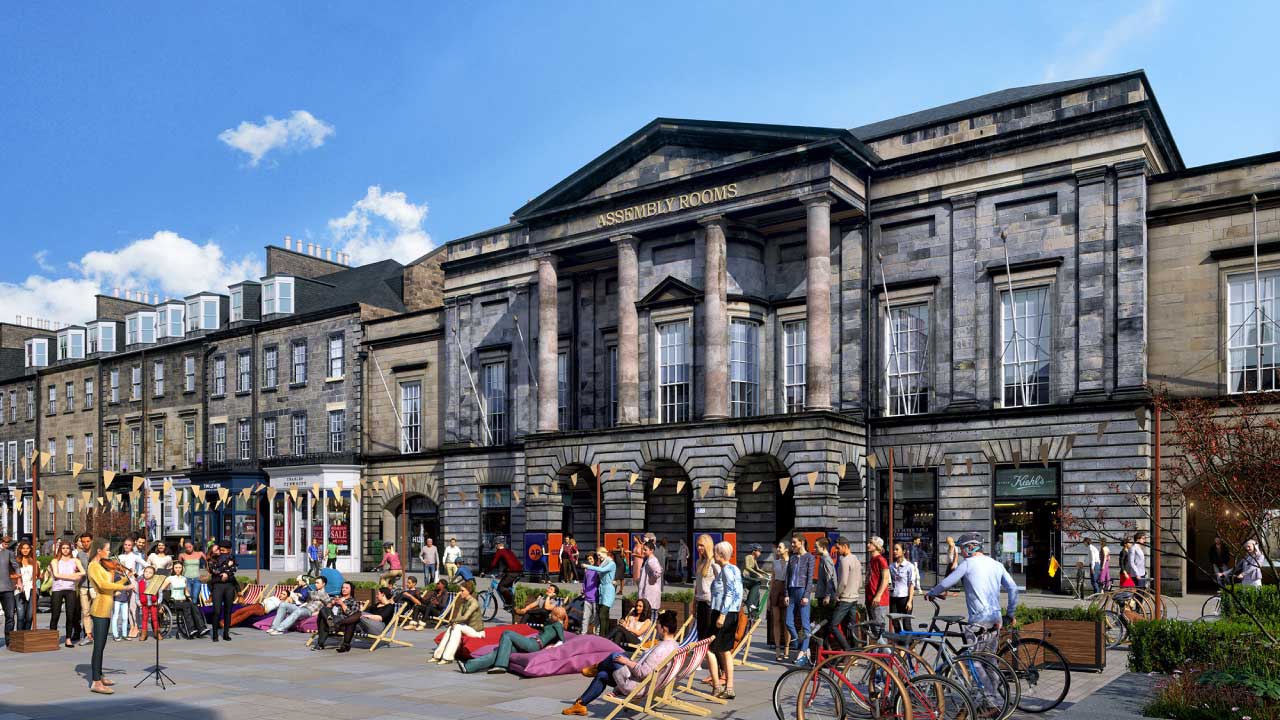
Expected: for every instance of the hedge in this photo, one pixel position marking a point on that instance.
(1263, 602)
(1024, 615)
(676, 596)
(1167, 645)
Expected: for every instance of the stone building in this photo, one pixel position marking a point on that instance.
(18, 420)
(68, 431)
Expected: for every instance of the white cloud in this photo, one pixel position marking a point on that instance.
(165, 263)
(300, 131)
(42, 261)
(380, 226)
(1081, 54)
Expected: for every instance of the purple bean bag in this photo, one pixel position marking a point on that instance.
(577, 652)
(306, 624)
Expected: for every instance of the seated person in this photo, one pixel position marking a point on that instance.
(302, 603)
(634, 626)
(434, 602)
(624, 673)
(193, 623)
(410, 595)
(539, 610)
(497, 661)
(465, 620)
(373, 620)
(338, 608)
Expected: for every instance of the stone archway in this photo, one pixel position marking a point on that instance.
(765, 512)
(580, 504)
(669, 507)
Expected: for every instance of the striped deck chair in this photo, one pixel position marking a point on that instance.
(686, 634)
(743, 648)
(251, 594)
(448, 608)
(644, 699)
(281, 592)
(206, 599)
(683, 686)
(404, 612)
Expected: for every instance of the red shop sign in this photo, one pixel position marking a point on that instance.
(338, 534)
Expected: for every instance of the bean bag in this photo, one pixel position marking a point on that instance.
(577, 652)
(306, 624)
(475, 647)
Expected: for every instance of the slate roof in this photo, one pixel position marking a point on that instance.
(380, 283)
(981, 104)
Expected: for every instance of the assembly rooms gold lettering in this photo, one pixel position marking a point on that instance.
(666, 205)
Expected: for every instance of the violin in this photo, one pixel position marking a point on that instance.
(119, 573)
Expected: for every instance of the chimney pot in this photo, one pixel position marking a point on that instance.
(328, 254)
(288, 242)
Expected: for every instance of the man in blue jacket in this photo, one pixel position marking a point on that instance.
(799, 585)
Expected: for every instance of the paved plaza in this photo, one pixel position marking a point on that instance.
(257, 676)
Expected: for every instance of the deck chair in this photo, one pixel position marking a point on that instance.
(251, 594)
(743, 648)
(644, 698)
(694, 654)
(388, 635)
(440, 619)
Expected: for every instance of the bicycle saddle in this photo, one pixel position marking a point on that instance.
(951, 619)
(900, 616)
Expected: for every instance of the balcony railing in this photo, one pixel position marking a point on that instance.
(320, 458)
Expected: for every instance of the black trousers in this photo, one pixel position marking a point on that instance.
(224, 597)
(504, 588)
(602, 620)
(623, 637)
(899, 605)
(10, 607)
(71, 600)
(101, 630)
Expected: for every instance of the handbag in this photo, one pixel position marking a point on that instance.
(742, 627)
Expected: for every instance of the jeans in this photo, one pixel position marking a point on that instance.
(287, 615)
(100, 632)
(1093, 577)
(71, 602)
(602, 680)
(24, 610)
(86, 605)
(120, 619)
(879, 614)
(799, 630)
(845, 610)
(195, 589)
(986, 642)
(428, 574)
(224, 596)
(511, 641)
(7, 603)
(588, 614)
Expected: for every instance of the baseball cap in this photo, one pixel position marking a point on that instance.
(755, 547)
(877, 541)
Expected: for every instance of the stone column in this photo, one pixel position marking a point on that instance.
(818, 302)
(548, 344)
(715, 358)
(628, 332)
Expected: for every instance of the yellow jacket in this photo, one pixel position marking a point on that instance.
(104, 584)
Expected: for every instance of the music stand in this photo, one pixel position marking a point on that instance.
(157, 670)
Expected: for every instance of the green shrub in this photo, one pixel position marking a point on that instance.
(676, 596)
(1167, 645)
(1193, 694)
(1263, 602)
(1024, 615)
(244, 580)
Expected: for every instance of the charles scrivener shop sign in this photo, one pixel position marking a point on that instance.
(667, 205)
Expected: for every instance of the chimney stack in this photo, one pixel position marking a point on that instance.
(288, 243)
(328, 254)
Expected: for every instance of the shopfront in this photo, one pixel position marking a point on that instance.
(313, 502)
(169, 518)
(495, 520)
(915, 505)
(1025, 515)
(228, 516)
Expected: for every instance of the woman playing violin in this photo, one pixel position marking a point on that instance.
(106, 577)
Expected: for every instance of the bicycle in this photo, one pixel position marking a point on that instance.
(490, 600)
(1043, 674)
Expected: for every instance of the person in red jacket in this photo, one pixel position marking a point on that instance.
(510, 566)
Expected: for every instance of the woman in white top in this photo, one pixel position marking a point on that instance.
(134, 563)
(25, 589)
(703, 576)
(160, 559)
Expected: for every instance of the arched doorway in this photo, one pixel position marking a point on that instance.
(579, 505)
(424, 522)
(668, 509)
(765, 513)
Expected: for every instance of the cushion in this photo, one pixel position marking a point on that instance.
(570, 658)
(306, 624)
(475, 647)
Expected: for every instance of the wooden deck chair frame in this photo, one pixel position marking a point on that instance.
(743, 648)
(683, 633)
(252, 593)
(444, 613)
(688, 677)
(693, 657)
(388, 635)
(643, 699)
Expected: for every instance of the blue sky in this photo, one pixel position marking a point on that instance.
(159, 147)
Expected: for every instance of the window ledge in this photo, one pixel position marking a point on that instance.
(335, 379)
(188, 392)
(269, 389)
(220, 396)
(242, 393)
(296, 385)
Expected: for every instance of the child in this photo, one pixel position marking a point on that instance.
(120, 615)
(149, 601)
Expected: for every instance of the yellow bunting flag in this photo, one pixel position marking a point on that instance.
(84, 497)
(1053, 566)
(813, 479)
(293, 493)
(948, 467)
(1070, 443)
(137, 482)
(168, 485)
(223, 494)
(155, 497)
(1102, 428)
(315, 491)
(679, 486)
(537, 491)
(395, 482)
(756, 485)
(1044, 454)
(355, 492)
(656, 482)
(339, 485)
(101, 500)
(462, 497)
(841, 469)
(271, 494)
(872, 461)
(784, 482)
(44, 459)
(107, 477)
(1017, 457)
(703, 487)
(75, 469)
(632, 481)
(515, 496)
(573, 480)
(968, 465)
(40, 497)
(612, 470)
(731, 489)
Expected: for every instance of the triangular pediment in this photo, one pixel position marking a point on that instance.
(668, 149)
(669, 290)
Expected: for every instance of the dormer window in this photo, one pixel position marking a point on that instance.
(71, 344)
(169, 322)
(202, 313)
(277, 296)
(102, 337)
(37, 352)
(140, 328)
(237, 304)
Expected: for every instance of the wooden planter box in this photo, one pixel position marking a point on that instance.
(30, 641)
(1082, 643)
(362, 595)
(682, 610)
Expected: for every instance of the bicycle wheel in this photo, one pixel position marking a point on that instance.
(1043, 674)
(984, 682)
(1212, 606)
(165, 618)
(804, 693)
(1011, 680)
(488, 606)
(1116, 631)
(938, 698)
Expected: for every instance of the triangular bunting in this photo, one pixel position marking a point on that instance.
(515, 496)
(1070, 443)
(1017, 457)
(137, 482)
(813, 479)
(656, 482)
(168, 485)
(632, 481)
(293, 493)
(107, 477)
(841, 469)
(968, 465)
(756, 485)
(703, 487)
(84, 497)
(595, 470)
(75, 469)
(872, 461)
(784, 482)
(44, 459)
(948, 467)
(355, 492)
(1044, 454)
(612, 470)
(1102, 428)
(223, 494)
(730, 489)
(679, 486)
(573, 480)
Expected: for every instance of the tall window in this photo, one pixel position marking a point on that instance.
(28, 455)
(135, 382)
(284, 294)
(209, 314)
(410, 417)
(107, 339)
(220, 375)
(299, 434)
(37, 352)
(673, 371)
(336, 349)
(2, 412)
(613, 386)
(906, 360)
(1025, 335)
(69, 402)
(270, 360)
(53, 455)
(174, 324)
(562, 391)
(31, 403)
(269, 437)
(220, 443)
(794, 358)
(157, 377)
(237, 305)
(13, 406)
(242, 436)
(244, 380)
(495, 401)
(131, 330)
(189, 373)
(115, 385)
(337, 431)
(88, 451)
(189, 442)
(1252, 363)
(299, 362)
(135, 448)
(113, 449)
(88, 394)
(70, 447)
(744, 368)
(193, 315)
(157, 446)
(53, 399)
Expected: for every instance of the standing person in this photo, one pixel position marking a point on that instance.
(390, 561)
(904, 578)
(663, 557)
(1095, 564)
(1126, 574)
(8, 568)
(222, 588)
(704, 574)
(622, 559)
(67, 573)
(1138, 560)
(953, 556)
(755, 579)
(104, 585)
(430, 557)
(1249, 571)
(465, 620)
(878, 582)
(83, 542)
(605, 569)
(825, 591)
(452, 558)
(509, 564)
(799, 584)
(161, 560)
(313, 557)
(28, 577)
(726, 603)
(983, 578)
(777, 627)
(149, 602)
(848, 589)
(133, 561)
(648, 574)
(590, 592)
(682, 560)
(191, 560)
(1220, 560)
(1104, 569)
(918, 557)
(331, 555)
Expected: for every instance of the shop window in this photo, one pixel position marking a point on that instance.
(1025, 516)
(495, 519)
(915, 513)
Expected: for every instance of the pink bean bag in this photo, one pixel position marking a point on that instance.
(475, 647)
(577, 652)
(306, 624)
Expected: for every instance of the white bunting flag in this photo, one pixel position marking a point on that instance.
(730, 489)
(679, 486)
(1102, 428)
(573, 480)
(756, 485)
(656, 482)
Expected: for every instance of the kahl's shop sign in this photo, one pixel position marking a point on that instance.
(1026, 482)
